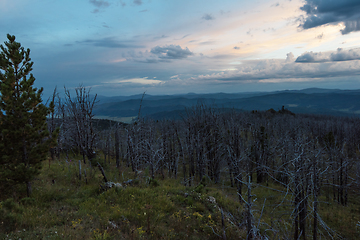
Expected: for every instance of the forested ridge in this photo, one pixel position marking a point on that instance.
(309, 101)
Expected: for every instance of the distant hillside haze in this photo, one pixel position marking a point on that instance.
(312, 101)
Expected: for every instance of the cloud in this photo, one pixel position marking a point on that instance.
(221, 56)
(151, 60)
(339, 55)
(320, 36)
(171, 52)
(208, 17)
(236, 47)
(100, 3)
(108, 42)
(351, 26)
(309, 57)
(210, 42)
(138, 2)
(160, 37)
(289, 57)
(142, 81)
(276, 70)
(185, 36)
(287, 71)
(322, 12)
(345, 55)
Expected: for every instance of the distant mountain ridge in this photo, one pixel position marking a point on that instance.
(311, 100)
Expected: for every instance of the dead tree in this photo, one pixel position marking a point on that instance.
(79, 117)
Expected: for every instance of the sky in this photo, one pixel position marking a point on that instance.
(126, 47)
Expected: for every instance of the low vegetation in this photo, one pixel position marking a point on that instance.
(63, 206)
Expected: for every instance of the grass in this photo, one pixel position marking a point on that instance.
(64, 207)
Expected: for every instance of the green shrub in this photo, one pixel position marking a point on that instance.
(8, 221)
(27, 201)
(199, 207)
(154, 183)
(189, 201)
(10, 213)
(11, 206)
(204, 180)
(199, 188)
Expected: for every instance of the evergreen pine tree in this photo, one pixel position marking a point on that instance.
(24, 136)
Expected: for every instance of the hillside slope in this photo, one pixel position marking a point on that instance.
(312, 101)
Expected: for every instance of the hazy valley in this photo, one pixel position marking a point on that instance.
(309, 101)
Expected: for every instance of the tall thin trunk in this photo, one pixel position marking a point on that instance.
(315, 226)
(117, 146)
(249, 220)
(28, 188)
(315, 194)
(302, 215)
(296, 214)
(341, 182)
(346, 188)
(79, 170)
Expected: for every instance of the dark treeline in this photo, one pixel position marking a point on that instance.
(309, 156)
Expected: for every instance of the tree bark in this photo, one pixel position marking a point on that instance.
(117, 146)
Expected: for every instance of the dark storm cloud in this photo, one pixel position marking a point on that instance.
(351, 26)
(171, 52)
(208, 17)
(339, 55)
(321, 12)
(108, 43)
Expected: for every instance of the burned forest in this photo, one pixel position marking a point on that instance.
(304, 163)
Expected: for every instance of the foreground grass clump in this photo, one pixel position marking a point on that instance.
(63, 206)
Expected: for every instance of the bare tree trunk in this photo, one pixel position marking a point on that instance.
(117, 146)
(296, 218)
(28, 188)
(102, 172)
(79, 170)
(315, 226)
(223, 224)
(249, 215)
(86, 181)
(302, 215)
(315, 194)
